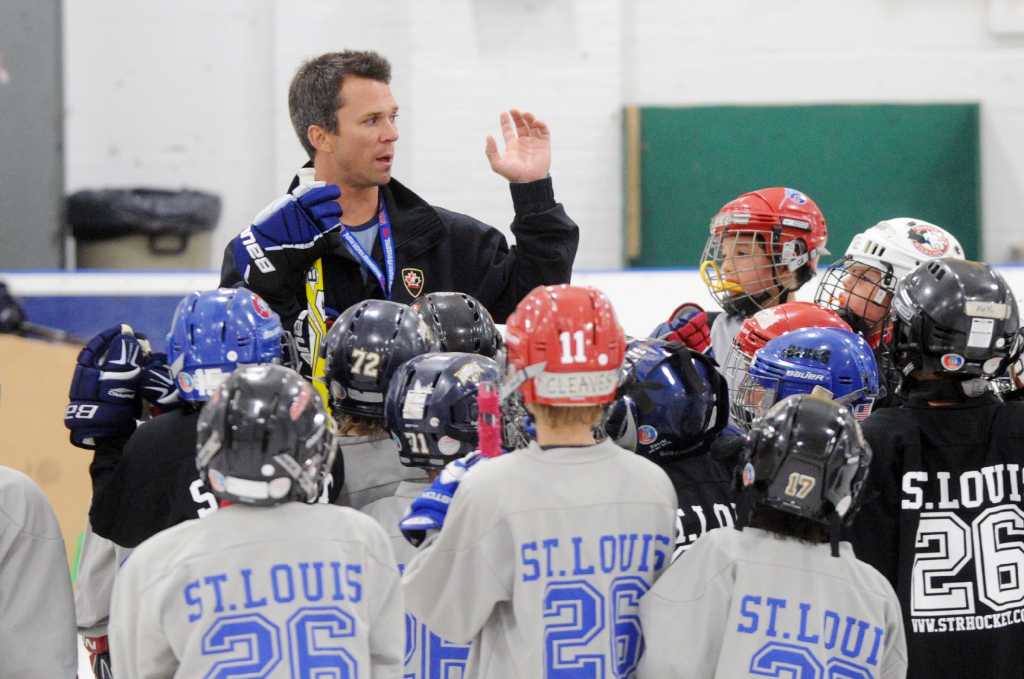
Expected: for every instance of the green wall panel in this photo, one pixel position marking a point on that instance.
(860, 163)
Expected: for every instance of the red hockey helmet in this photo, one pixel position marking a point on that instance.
(565, 347)
(761, 245)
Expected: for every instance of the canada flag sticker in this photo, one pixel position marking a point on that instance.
(413, 280)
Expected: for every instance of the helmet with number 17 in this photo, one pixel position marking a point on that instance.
(762, 246)
(565, 347)
(365, 347)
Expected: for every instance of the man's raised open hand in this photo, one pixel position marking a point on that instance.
(527, 155)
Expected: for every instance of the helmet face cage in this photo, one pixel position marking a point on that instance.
(807, 456)
(741, 270)
(364, 348)
(860, 293)
(215, 331)
(735, 371)
(431, 407)
(265, 438)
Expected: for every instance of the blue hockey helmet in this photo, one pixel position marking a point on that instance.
(213, 332)
(837, 360)
(431, 407)
(671, 401)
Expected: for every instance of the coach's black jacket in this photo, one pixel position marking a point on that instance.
(443, 250)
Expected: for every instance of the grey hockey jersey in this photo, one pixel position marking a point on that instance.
(287, 591)
(752, 603)
(427, 656)
(37, 614)
(542, 559)
(98, 561)
(372, 470)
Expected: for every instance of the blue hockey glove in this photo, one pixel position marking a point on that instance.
(287, 237)
(428, 511)
(104, 399)
(156, 384)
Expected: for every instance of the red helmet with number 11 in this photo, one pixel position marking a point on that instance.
(565, 347)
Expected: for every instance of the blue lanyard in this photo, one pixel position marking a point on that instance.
(387, 244)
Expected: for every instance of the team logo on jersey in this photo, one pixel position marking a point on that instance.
(646, 434)
(928, 240)
(413, 280)
(261, 307)
(952, 362)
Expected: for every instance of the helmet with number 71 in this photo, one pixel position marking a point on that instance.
(565, 347)
(762, 246)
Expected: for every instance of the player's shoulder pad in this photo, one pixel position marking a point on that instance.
(24, 505)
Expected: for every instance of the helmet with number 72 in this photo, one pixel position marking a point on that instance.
(565, 347)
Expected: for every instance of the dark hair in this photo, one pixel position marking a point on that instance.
(789, 525)
(314, 96)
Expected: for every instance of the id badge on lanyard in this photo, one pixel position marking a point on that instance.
(385, 278)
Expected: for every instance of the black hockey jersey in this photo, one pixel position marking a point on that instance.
(153, 484)
(706, 499)
(943, 520)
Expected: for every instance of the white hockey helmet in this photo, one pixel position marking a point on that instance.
(859, 286)
(900, 245)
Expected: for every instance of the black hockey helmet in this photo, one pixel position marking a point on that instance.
(671, 401)
(954, 317)
(807, 456)
(264, 438)
(431, 407)
(364, 348)
(460, 322)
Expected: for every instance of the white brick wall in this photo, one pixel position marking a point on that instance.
(194, 92)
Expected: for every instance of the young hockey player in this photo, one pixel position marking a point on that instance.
(363, 349)
(460, 322)
(546, 551)
(149, 482)
(670, 408)
(797, 362)
(775, 598)
(269, 585)
(945, 527)
(431, 410)
(763, 246)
